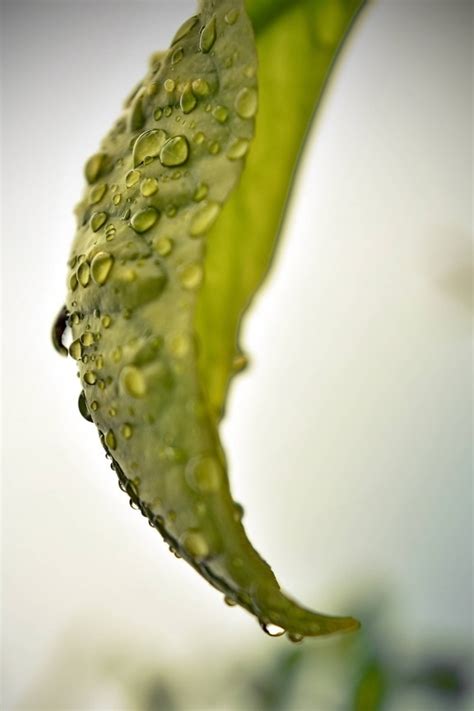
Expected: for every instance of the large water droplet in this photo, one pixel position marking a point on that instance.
(75, 349)
(132, 381)
(97, 220)
(246, 103)
(271, 630)
(83, 273)
(101, 267)
(148, 145)
(208, 36)
(187, 101)
(175, 151)
(144, 220)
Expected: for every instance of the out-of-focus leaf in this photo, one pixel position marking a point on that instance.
(370, 691)
(297, 42)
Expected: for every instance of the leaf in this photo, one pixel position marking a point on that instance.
(155, 188)
(297, 43)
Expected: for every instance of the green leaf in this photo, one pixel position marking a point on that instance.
(140, 257)
(297, 43)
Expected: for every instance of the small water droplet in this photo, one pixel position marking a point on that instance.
(75, 349)
(201, 87)
(73, 281)
(83, 273)
(231, 16)
(90, 377)
(169, 85)
(132, 381)
(164, 246)
(110, 440)
(94, 405)
(230, 601)
(238, 513)
(148, 145)
(214, 147)
(204, 218)
(97, 220)
(83, 409)
(220, 113)
(191, 275)
(167, 111)
(117, 199)
(208, 36)
(187, 101)
(101, 267)
(143, 220)
(177, 55)
(148, 187)
(95, 167)
(185, 28)
(126, 430)
(246, 103)
(238, 148)
(199, 137)
(204, 474)
(200, 193)
(97, 193)
(132, 178)
(175, 151)
(195, 544)
(271, 630)
(87, 339)
(295, 637)
(106, 321)
(158, 114)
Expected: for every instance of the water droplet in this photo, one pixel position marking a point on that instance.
(137, 116)
(148, 145)
(152, 88)
(177, 55)
(180, 345)
(90, 377)
(83, 273)
(101, 267)
(239, 362)
(110, 231)
(246, 103)
(117, 354)
(187, 101)
(73, 282)
(238, 511)
(175, 151)
(158, 114)
(238, 148)
(295, 637)
(185, 28)
(144, 220)
(117, 199)
(132, 178)
(195, 544)
(95, 167)
(214, 147)
(204, 218)
(164, 246)
(220, 113)
(106, 321)
(230, 601)
(87, 339)
(148, 187)
(169, 85)
(167, 111)
(231, 16)
(83, 409)
(132, 381)
(94, 405)
(201, 88)
(97, 193)
(191, 275)
(99, 362)
(271, 630)
(200, 193)
(75, 349)
(208, 36)
(204, 474)
(110, 440)
(126, 430)
(97, 220)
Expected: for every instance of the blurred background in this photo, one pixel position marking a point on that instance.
(349, 438)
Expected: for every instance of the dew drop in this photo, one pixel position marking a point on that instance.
(199, 137)
(204, 218)
(94, 405)
(175, 151)
(204, 474)
(220, 113)
(106, 321)
(237, 149)
(164, 246)
(201, 87)
(148, 187)
(75, 349)
(132, 178)
(87, 339)
(246, 103)
(169, 85)
(185, 28)
(158, 114)
(110, 440)
(83, 273)
(200, 193)
(97, 220)
(143, 220)
(271, 630)
(187, 101)
(101, 267)
(195, 544)
(214, 148)
(94, 167)
(117, 199)
(73, 282)
(90, 377)
(231, 16)
(133, 382)
(191, 276)
(148, 145)
(97, 193)
(177, 55)
(82, 405)
(208, 36)
(230, 601)
(295, 637)
(126, 431)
